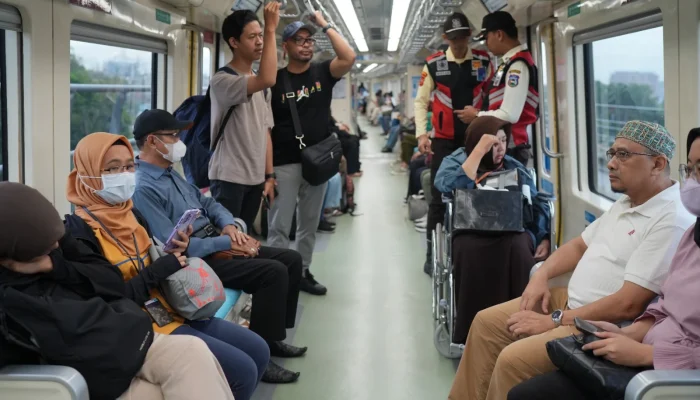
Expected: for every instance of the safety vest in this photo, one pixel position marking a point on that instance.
(495, 87)
(454, 89)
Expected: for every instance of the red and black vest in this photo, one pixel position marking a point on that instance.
(455, 85)
(489, 95)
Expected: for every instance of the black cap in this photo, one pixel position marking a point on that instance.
(497, 21)
(157, 120)
(456, 25)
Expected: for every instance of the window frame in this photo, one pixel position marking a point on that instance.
(12, 107)
(583, 46)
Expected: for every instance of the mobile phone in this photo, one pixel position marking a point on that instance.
(160, 315)
(586, 327)
(186, 220)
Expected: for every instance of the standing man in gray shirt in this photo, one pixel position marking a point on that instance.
(241, 170)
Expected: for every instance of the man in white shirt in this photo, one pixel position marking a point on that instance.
(619, 263)
(511, 92)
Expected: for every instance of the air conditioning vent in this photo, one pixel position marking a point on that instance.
(376, 34)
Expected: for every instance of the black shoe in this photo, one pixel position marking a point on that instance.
(276, 374)
(387, 150)
(284, 350)
(325, 226)
(309, 285)
(428, 268)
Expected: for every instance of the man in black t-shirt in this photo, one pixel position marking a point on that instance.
(312, 90)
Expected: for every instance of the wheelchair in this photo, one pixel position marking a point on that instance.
(444, 307)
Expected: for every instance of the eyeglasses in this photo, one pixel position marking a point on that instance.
(624, 155)
(117, 170)
(301, 41)
(690, 171)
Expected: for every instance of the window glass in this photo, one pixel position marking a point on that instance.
(206, 68)
(110, 87)
(625, 82)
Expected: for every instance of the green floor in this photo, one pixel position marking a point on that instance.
(370, 337)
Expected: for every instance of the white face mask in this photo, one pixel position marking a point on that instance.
(176, 150)
(116, 188)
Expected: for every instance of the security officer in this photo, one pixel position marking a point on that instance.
(511, 92)
(452, 78)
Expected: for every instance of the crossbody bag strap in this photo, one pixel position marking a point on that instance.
(292, 101)
(220, 133)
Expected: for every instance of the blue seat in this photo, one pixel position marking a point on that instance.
(232, 296)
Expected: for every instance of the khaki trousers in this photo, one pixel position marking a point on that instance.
(494, 361)
(179, 367)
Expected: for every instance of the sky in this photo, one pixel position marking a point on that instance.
(640, 51)
(94, 56)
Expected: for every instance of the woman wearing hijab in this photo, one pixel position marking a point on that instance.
(100, 186)
(667, 335)
(491, 269)
(38, 259)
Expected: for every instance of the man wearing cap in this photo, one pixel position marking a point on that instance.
(311, 89)
(511, 93)
(618, 263)
(451, 77)
(240, 169)
(163, 195)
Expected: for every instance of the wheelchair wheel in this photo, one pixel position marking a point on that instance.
(435, 278)
(443, 341)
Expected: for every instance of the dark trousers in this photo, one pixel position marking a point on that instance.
(436, 209)
(242, 201)
(521, 153)
(243, 355)
(273, 280)
(553, 385)
(415, 168)
(351, 151)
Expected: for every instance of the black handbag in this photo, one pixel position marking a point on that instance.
(598, 376)
(319, 162)
(490, 211)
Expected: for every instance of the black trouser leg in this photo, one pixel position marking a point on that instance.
(436, 210)
(268, 281)
(553, 385)
(521, 153)
(293, 261)
(242, 201)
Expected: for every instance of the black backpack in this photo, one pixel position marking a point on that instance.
(105, 341)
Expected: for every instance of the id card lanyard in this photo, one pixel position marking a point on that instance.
(139, 265)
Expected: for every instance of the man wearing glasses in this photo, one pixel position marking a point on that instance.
(618, 263)
(311, 89)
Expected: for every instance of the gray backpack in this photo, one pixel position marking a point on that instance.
(195, 292)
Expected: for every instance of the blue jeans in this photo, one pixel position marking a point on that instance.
(243, 354)
(393, 137)
(385, 122)
(334, 193)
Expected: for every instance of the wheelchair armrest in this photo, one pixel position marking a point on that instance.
(661, 385)
(559, 281)
(46, 382)
(241, 225)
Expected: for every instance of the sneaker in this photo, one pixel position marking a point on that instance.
(326, 227)
(423, 219)
(421, 229)
(309, 285)
(276, 374)
(422, 224)
(428, 268)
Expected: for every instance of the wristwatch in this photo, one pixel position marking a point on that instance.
(557, 316)
(270, 176)
(327, 27)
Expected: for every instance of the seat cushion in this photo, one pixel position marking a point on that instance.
(232, 297)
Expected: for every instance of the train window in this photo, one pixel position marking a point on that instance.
(206, 68)
(624, 81)
(113, 78)
(10, 98)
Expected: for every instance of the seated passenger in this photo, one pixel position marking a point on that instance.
(100, 186)
(163, 196)
(491, 269)
(665, 336)
(619, 263)
(39, 259)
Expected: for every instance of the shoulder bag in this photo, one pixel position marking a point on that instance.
(319, 162)
(600, 377)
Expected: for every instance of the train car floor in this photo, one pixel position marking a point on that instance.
(371, 336)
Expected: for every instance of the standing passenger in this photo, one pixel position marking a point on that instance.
(241, 167)
(312, 89)
(452, 79)
(511, 93)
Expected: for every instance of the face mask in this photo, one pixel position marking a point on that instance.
(690, 196)
(175, 150)
(116, 188)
